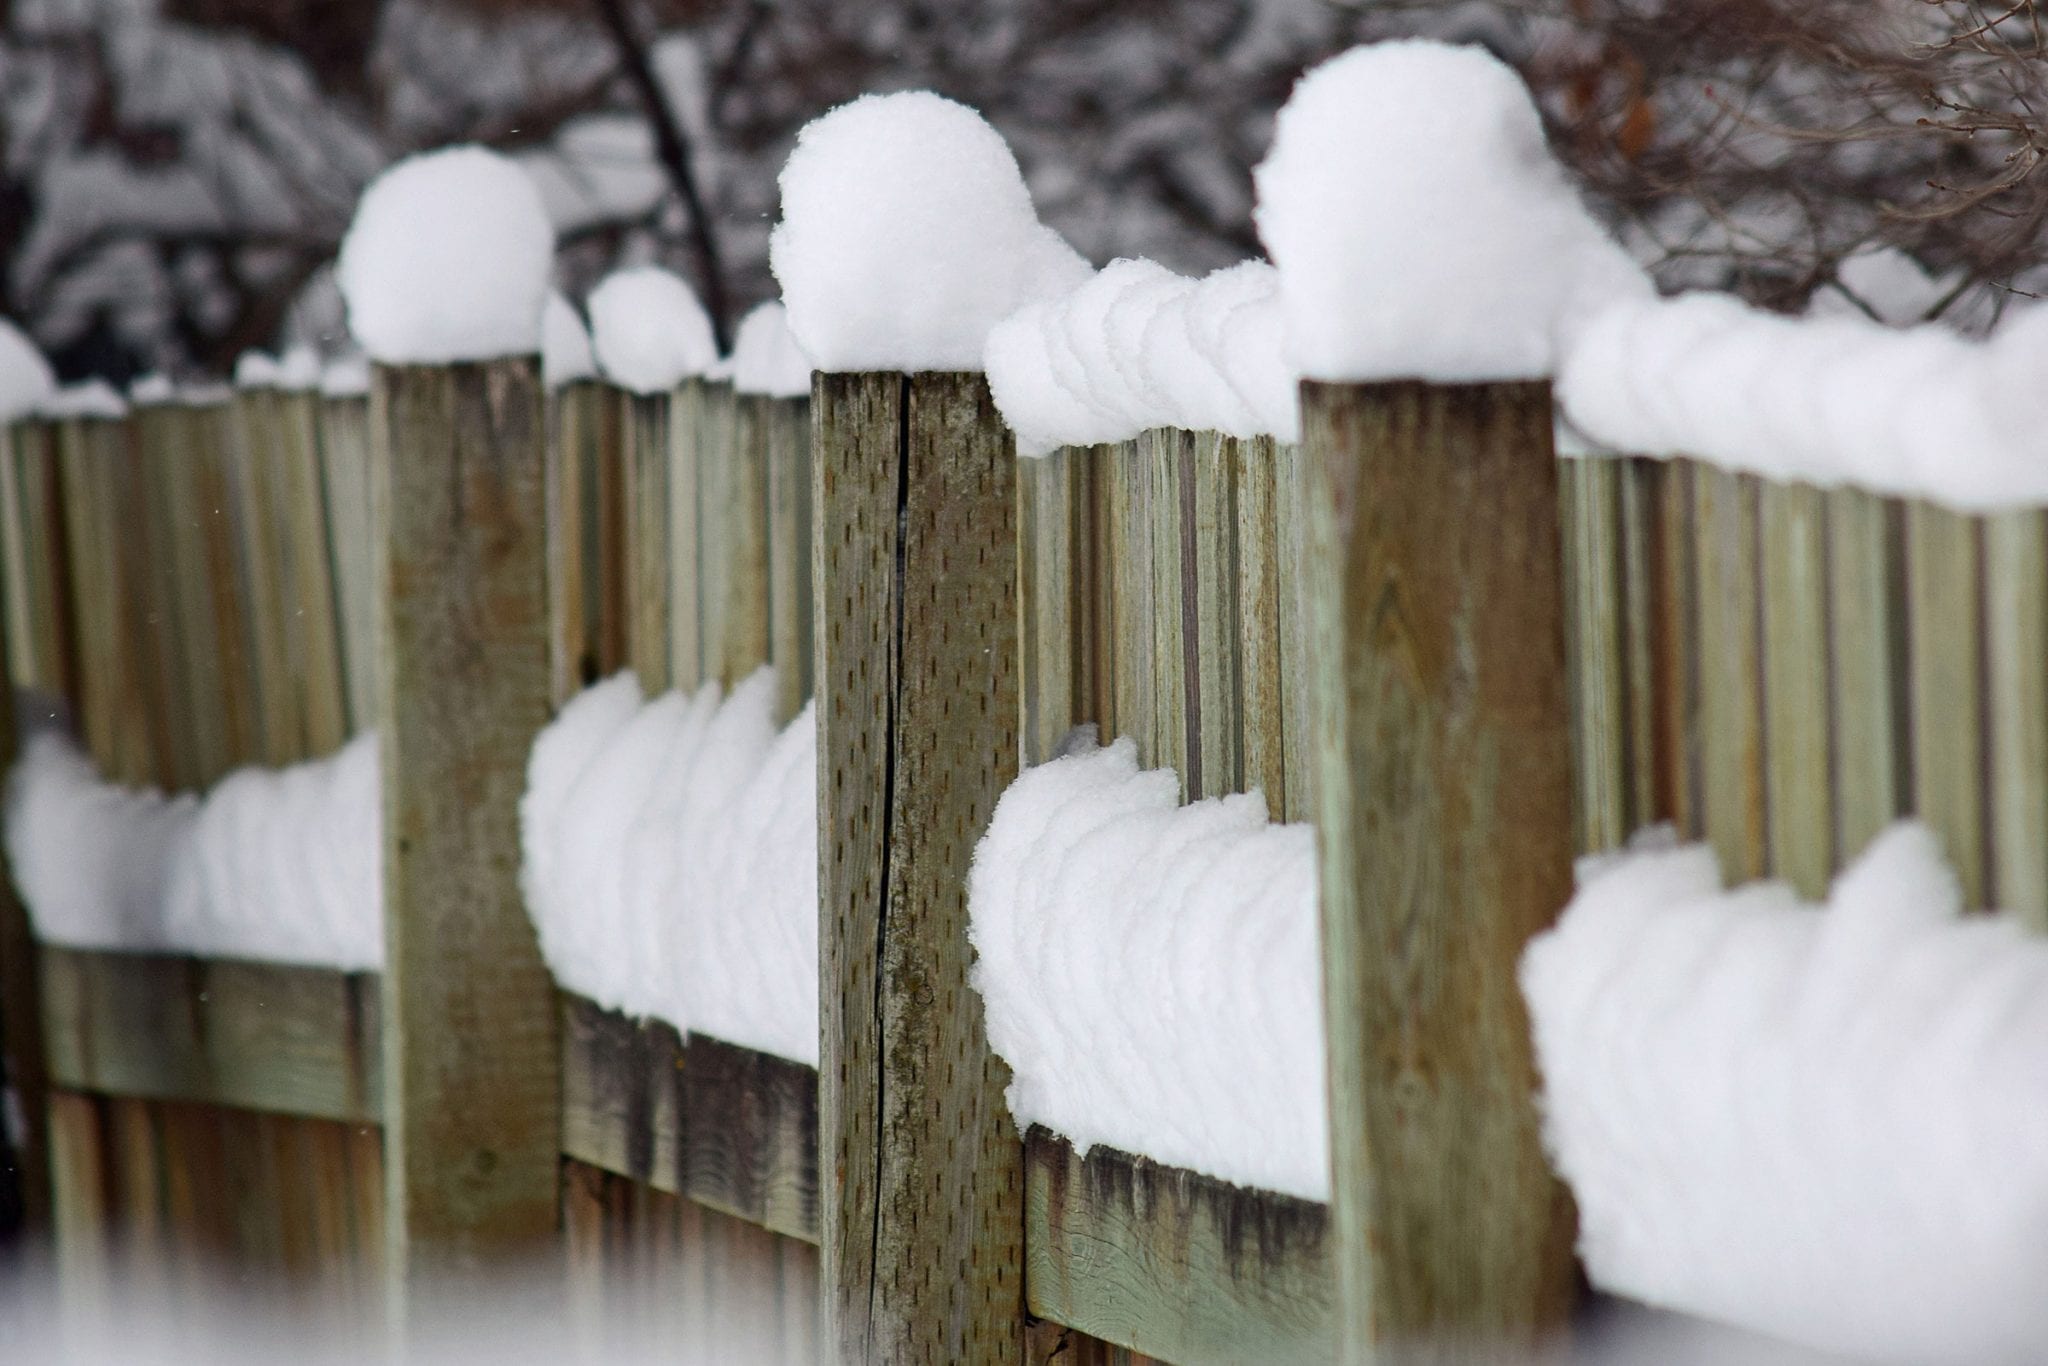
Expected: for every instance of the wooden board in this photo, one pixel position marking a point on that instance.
(1866, 631)
(922, 1203)
(732, 1128)
(1792, 528)
(2016, 648)
(1445, 832)
(787, 450)
(472, 1096)
(1945, 642)
(1177, 1265)
(1732, 787)
(261, 1036)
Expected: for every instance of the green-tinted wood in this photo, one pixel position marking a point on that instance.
(261, 1036)
(1046, 611)
(316, 601)
(261, 518)
(1732, 789)
(922, 1203)
(42, 640)
(1160, 450)
(647, 419)
(151, 513)
(345, 476)
(696, 480)
(1445, 835)
(1793, 532)
(1095, 592)
(1866, 627)
(571, 630)
(1678, 654)
(1130, 570)
(112, 713)
(1591, 520)
(1261, 746)
(1209, 560)
(1181, 1266)
(201, 709)
(744, 627)
(2016, 649)
(787, 424)
(472, 1087)
(1642, 511)
(1945, 645)
(1297, 741)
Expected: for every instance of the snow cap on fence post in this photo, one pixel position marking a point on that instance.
(907, 233)
(565, 351)
(766, 358)
(649, 331)
(1420, 224)
(448, 260)
(26, 380)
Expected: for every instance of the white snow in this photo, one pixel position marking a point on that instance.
(448, 260)
(277, 865)
(907, 233)
(93, 398)
(152, 391)
(1135, 347)
(766, 358)
(670, 859)
(649, 331)
(346, 376)
(1823, 1123)
(26, 380)
(1150, 972)
(565, 352)
(297, 369)
(1421, 227)
(1921, 412)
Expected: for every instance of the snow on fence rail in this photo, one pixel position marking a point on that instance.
(1775, 667)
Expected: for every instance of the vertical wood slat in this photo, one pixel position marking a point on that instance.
(315, 601)
(149, 514)
(43, 638)
(694, 477)
(1642, 555)
(1160, 450)
(2016, 637)
(1216, 709)
(1793, 532)
(1444, 827)
(920, 1163)
(266, 567)
(1297, 743)
(787, 450)
(646, 421)
(471, 1072)
(345, 478)
(1678, 653)
(1046, 608)
(109, 713)
(1130, 571)
(1095, 551)
(1590, 517)
(1867, 646)
(1262, 747)
(571, 627)
(1945, 643)
(738, 447)
(1732, 786)
(207, 696)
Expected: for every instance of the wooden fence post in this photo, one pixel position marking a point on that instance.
(1443, 784)
(471, 1057)
(920, 1162)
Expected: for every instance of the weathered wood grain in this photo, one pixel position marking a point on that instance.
(1130, 569)
(694, 477)
(1801, 831)
(315, 602)
(1945, 663)
(1733, 792)
(786, 425)
(1645, 691)
(646, 421)
(472, 1088)
(345, 478)
(2016, 651)
(917, 657)
(266, 565)
(261, 1036)
(42, 640)
(1867, 645)
(1161, 450)
(732, 1128)
(111, 715)
(1444, 826)
(743, 580)
(1261, 746)
(1297, 741)
(1590, 517)
(1209, 567)
(1183, 1267)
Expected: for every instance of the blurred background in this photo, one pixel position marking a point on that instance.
(177, 173)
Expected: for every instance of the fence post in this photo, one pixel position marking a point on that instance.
(1443, 784)
(922, 1206)
(471, 1061)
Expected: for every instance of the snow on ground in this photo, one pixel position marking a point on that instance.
(1136, 346)
(907, 233)
(766, 358)
(649, 331)
(1823, 1123)
(1421, 227)
(26, 380)
(1150, 973)
(565, 351)
(277, 865)
(1832, 399)
(448, 259)
(670, 859)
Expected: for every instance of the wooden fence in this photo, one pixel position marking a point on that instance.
(1608, 642)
